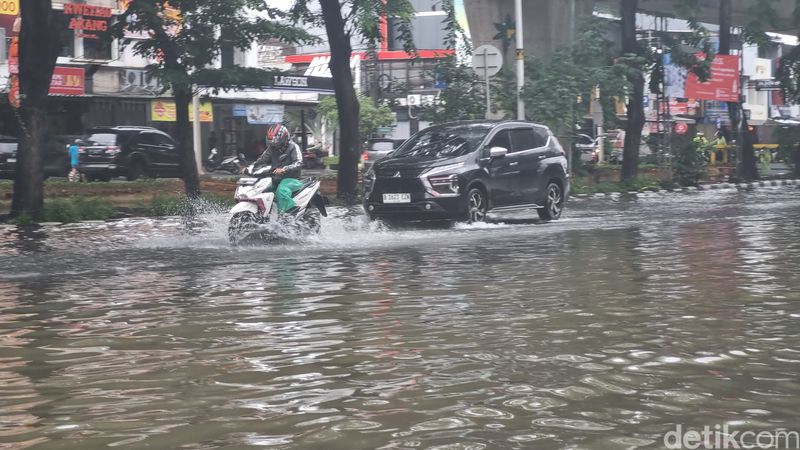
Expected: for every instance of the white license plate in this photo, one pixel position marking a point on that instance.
(396, 198)
(12, 160)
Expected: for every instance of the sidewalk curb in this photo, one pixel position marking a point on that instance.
(700, 188)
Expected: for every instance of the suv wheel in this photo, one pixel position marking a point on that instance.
(554, 202)
(477, 205)
(135, 170)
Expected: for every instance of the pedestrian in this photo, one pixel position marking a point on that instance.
(74, 160)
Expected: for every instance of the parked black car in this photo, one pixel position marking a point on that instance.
(132, 152)
(55, 160)
(470, 171)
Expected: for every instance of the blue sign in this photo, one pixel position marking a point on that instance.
(239, 110)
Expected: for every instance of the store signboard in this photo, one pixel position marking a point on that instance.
(164, 111)
(264, 114)
(239, 111)
(723, 85)
(88, 21)
(68, 81)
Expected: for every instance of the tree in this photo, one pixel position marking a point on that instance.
(344, 20)
(370, 117)
(748, 166)
(186, 37)
(559, 93)
(462, 99)
(38, 51)
(636, 119)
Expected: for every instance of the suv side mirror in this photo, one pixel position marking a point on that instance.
(497, 152)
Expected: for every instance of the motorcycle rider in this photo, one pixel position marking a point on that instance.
(286, 160)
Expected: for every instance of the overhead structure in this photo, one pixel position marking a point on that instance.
(550, 24)
(708, 11)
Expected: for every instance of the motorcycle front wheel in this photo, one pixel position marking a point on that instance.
(242, 224)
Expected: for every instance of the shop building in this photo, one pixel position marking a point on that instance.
(102, 83)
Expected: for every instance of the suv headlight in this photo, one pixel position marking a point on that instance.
(444, 184)
(439, 183)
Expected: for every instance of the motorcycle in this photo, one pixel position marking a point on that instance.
(215, 162)
(314, 158)
(255, 215)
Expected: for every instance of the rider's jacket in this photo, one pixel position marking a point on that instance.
(289, 158)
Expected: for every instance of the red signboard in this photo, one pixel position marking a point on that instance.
(724, 84)
(93, 19)
(68, 81)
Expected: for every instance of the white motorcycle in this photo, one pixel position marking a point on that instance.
(255, 215)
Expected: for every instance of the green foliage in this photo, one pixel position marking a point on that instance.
(559, 93)
(788, 138)
(76, 209)
(690, 162)
(640, 184)
(371, 117)
(22, 220)
(163, 205)
(463, 99)
(187, 36)
(363, 18)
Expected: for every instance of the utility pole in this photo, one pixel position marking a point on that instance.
(520, 60)
(196, 139)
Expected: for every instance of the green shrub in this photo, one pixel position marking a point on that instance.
(75, 209)
(170, 205)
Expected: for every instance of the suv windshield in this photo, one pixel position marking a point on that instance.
(101, 139)
(444, 142)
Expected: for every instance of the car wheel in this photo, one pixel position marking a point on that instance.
(554, 202)
(136, 170)
(477, 205)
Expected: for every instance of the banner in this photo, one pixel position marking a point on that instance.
(724, 84)
(164, 111)
(264, 114)
(68, 81)
(9, 7)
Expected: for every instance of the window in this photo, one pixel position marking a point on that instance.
(101, 139)
(163, 141)
(96, 48)
(148, 139)
(523, 139)
(501, 139)
(542, 136)
(443, 142)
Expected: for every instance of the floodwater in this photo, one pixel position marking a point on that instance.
(603, 330)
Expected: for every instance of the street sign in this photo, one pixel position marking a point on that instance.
(681, 128)
(487, 60)
(766, 85)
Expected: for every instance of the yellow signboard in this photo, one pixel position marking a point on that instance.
(164, 111)
(9, 7)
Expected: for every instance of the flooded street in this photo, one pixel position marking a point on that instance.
(603, 330)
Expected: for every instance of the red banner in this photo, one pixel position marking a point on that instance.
(724, 84)
(68, 81)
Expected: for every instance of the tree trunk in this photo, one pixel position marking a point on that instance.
(183, 136)
(346, 100)
(38, 50)
(796, 161)
(725, 18)
(748, 168)
(636, 119)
